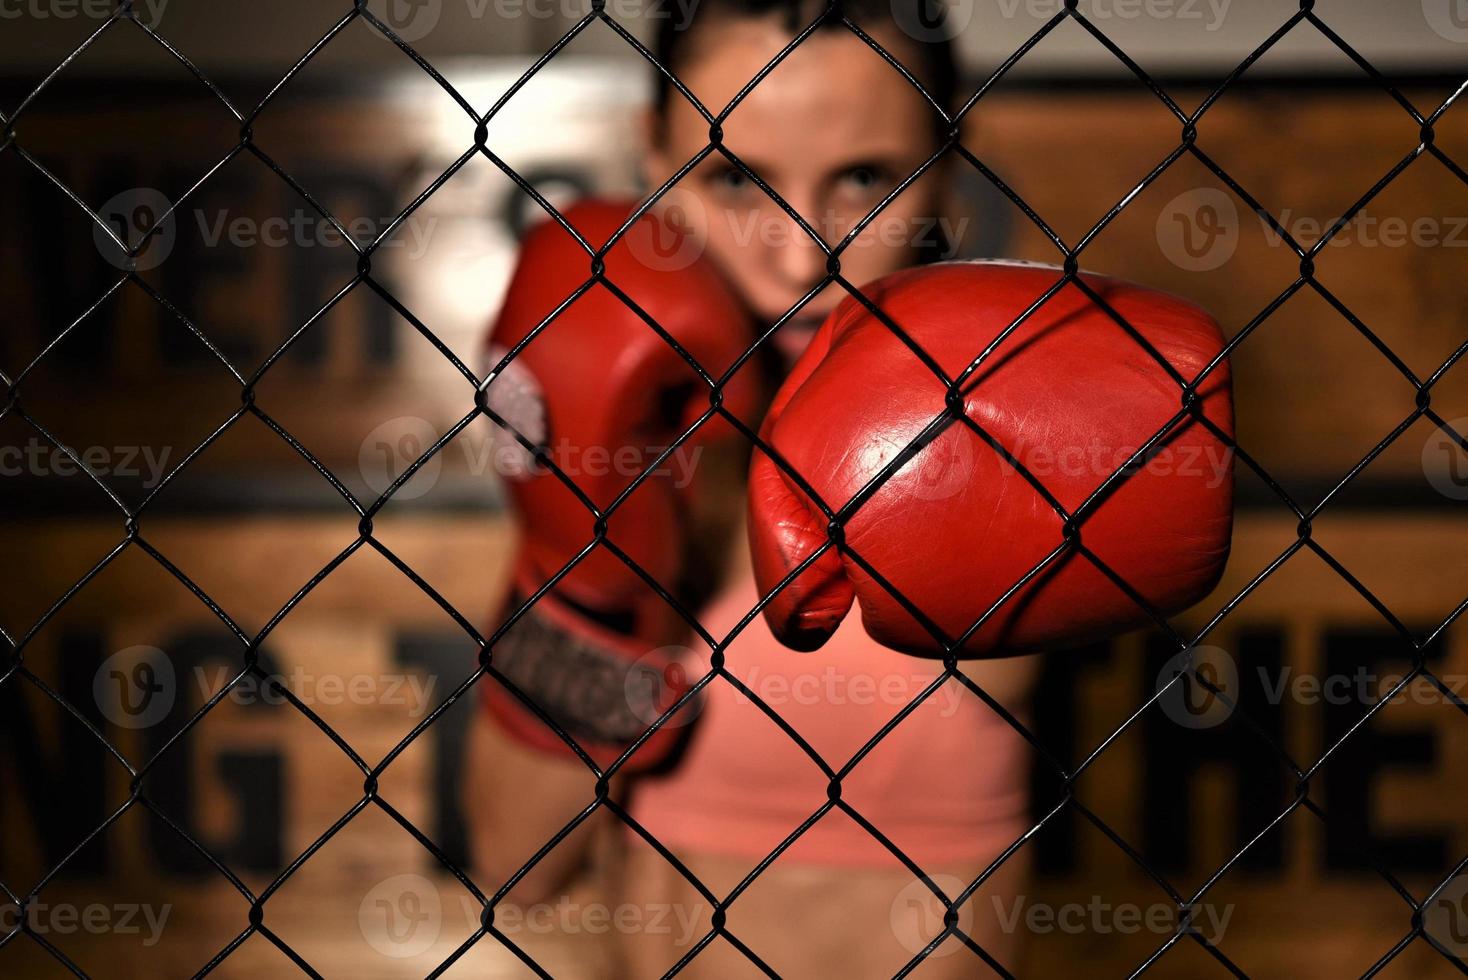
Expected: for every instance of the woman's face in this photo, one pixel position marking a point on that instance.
(833, 130)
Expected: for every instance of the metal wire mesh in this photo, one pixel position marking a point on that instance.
(837, 513)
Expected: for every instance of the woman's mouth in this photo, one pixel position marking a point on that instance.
(794, 336)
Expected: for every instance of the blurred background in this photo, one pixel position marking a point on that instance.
(246, 259)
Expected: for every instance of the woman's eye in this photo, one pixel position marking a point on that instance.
(729, 179)
(863, 178)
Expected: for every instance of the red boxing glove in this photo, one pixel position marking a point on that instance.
(1070, 394)
(602, 394)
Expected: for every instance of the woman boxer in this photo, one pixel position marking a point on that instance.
(833, 129)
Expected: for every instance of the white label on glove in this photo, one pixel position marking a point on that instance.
(515, 396)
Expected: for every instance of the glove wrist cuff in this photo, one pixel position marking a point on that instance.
(602, 687)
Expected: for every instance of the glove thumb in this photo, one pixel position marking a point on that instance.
(785, 529)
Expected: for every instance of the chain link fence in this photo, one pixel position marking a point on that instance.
(1190, 675)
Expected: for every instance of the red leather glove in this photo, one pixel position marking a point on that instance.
(603, 394)
(1070, 394)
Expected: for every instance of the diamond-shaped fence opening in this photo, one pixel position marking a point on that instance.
(1188, 676)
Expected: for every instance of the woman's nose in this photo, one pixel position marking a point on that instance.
(801, 261)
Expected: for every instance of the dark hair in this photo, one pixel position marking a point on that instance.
(926, 49)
